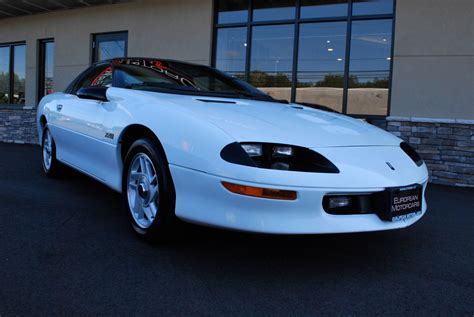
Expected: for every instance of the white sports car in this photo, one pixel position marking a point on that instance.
(188, 141)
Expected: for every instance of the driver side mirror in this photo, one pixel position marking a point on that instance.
(93, 93)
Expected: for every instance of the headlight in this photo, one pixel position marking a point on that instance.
(253, 150)
(411, 153)
(282, 151)
(277, 157)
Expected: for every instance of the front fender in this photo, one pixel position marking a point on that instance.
(188, 141)
(44, 108)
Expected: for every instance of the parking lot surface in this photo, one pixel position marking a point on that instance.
(66, 248)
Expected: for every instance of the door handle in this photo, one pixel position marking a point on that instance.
(59, 107)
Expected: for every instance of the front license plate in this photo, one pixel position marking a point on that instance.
(405, 202)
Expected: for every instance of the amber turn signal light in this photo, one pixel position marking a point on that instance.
(260, 192)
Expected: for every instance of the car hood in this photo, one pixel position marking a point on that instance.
(259, 121)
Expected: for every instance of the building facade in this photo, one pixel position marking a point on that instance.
(406, 66)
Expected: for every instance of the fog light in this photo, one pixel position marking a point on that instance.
(260, 192)
(339, 202)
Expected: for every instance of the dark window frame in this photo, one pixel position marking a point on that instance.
(41, 66)
(106, 36)
(74, 85)
(349, 18)
(11, 70)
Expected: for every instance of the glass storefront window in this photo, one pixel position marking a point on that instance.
(231, 51)
(19, 73)
(369, 67)
(232, 11)
(4, 75)
(323, 8)
(367, 7)
(46, 68)
(267, 10)
(12, 74)
(331, 53)
(272, 59)
(321, 56)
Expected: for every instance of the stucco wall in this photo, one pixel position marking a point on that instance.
(179, 29)
(433, 73)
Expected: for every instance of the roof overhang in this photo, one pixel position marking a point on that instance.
(14, 8)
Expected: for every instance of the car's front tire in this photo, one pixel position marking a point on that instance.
(149, 191)
(51, 165)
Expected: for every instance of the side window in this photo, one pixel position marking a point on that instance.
(100, 76)
(103, 79)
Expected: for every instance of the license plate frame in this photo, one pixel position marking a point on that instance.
(403, 202)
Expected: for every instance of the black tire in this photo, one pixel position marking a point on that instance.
(54, 168)
(164, 225)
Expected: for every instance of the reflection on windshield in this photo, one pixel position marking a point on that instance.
(181, 78)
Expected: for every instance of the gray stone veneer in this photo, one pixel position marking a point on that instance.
(447, 146)
(18, 125)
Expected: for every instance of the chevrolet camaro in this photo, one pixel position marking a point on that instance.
(185, 141)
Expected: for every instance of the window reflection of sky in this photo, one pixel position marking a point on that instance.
(366, 7)
(111, 49)
(265, 10)
(20, 60)
(272, 48)
(322, 70)
(322, 9)
(231, 49)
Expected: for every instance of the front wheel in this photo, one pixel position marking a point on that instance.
(149, 191)
(51, 166)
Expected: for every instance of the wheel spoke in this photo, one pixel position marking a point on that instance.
(133, 185)
(148, 170)
(142, 165)
(154, 193)
(134, 176)
(148, 213)
(154, 209)
(137, 205)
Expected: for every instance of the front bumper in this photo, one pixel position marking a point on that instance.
(201, 198)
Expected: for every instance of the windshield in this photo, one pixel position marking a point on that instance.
(181, 78)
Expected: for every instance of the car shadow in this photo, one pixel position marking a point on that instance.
(205, 244)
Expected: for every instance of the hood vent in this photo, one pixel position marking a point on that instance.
(216, 101)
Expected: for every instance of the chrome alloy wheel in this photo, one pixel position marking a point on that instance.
(47, 150)
(142, 190)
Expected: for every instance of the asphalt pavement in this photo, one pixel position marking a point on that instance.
(66, 248)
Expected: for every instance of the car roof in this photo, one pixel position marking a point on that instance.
(111, 60)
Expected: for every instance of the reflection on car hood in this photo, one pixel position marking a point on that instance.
(259, 121)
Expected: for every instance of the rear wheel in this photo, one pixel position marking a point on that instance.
(51, 166)
(149, 191)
